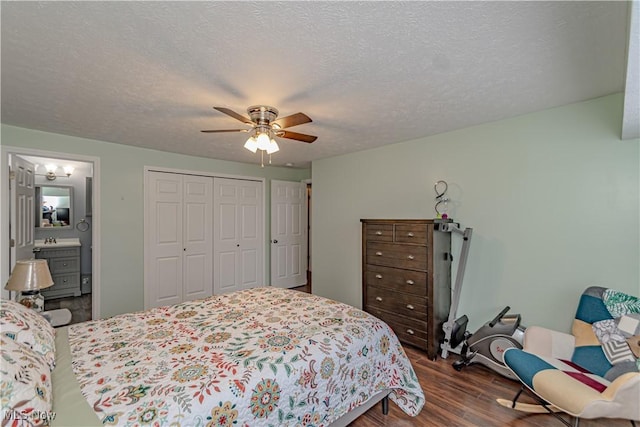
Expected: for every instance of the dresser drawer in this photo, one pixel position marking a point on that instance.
(397, 255)
(407, 281)
(390, 300)
(380, 232)
(411, 233)
(64, 265)
(411, 331)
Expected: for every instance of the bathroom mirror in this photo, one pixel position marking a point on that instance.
(54, 206)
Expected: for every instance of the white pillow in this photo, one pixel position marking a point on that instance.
(25, 384)
(29, 328)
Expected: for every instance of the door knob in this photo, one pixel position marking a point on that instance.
(275, 241)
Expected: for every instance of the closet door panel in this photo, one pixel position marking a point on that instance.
(249, 270)
(238, 234)
(198, 237)
(226, 279)
(168, 270)
(164, 208)
(251, 234)
(196, 285)
(225, 236)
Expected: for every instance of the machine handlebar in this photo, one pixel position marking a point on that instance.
(499, 316)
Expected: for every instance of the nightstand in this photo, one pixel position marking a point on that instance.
(59, 317)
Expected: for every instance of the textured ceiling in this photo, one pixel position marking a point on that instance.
(367, 73)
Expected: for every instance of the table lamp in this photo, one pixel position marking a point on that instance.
(27, 278)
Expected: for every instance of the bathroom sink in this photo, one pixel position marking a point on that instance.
(59, 243)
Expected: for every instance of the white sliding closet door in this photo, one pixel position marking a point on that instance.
(198, 237)
(179, 238)
(238, 235)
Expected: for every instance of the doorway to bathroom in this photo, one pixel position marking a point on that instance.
(62, 216)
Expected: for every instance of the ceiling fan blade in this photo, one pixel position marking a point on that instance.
(235, 115)
(224, 130)
(297, 136)
(292, 120)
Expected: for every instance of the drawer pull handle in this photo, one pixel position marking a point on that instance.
(64, 281)
(378, 276)
(410, 282)
(379, 253)
(410, 257)
(410, 331)
(409, 234)
(410, 307)
(378, 233)
(379, 299)
(64, 264)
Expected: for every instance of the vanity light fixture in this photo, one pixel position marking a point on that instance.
(51, 172)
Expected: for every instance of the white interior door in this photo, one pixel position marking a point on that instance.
(197, 237)
(165, 264)
(23, 210)
(288, 234)
(238, 234)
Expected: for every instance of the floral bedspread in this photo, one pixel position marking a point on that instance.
(264, 356)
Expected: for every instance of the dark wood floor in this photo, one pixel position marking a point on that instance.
(80, 307)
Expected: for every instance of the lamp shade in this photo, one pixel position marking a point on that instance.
(29, 275)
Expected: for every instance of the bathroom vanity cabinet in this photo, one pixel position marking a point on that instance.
(64, 264)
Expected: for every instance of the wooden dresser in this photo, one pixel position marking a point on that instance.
(406, 278)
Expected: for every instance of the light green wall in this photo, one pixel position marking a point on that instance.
(122, 176)
(553, 198)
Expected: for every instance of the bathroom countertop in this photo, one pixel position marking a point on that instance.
(59, 243)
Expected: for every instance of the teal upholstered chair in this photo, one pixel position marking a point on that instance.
(590, 373)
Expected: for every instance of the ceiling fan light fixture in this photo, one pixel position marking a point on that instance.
(251, 144)
(263, 141)
(265, 126)
(273, 147)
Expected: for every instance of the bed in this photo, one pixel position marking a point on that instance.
(263, 356)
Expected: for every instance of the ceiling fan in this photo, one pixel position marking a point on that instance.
(265, 125)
